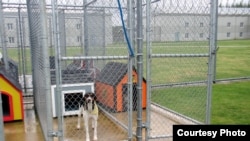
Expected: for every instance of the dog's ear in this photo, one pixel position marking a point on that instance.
(84, 98)
(95, 98)
(82, 101)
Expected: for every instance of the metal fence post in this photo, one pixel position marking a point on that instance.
(85, 21)
(212, 52)
(130, 69)
(140, 70)
(21, 44)
(57, 45)
(148, 66)
(46, 69)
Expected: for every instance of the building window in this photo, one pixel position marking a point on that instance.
(78, 26)
(201, 24)
(201, 35)
(186, 35)
(79, 39)
(10, 26)
(186, 24)
(241, 24)
(241, 34)
(228, 34)
(228, 24)
(11, 40)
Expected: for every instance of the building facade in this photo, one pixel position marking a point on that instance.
(101, 31)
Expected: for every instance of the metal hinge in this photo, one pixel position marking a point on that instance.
(55, 134)
(144, 125)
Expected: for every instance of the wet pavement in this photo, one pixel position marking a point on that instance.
(29, 129)
(24, 130)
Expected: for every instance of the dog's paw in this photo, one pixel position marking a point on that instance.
(95, 138)
(78, 127)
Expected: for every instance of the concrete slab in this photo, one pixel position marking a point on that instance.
(108, 130)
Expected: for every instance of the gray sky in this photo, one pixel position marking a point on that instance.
(114, 2)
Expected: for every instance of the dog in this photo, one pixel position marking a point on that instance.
(89, 109)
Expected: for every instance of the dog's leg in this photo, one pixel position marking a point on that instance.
(79, 118)
(94, 121)
(86, 123)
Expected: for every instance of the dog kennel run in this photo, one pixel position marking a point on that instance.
(93, 31)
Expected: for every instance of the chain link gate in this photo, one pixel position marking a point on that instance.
(91, 56)
(180, 62)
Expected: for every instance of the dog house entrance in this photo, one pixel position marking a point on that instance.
(125, 97)
(70, 96)
(70, 101)
(6, 105)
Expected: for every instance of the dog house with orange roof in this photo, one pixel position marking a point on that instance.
(111, 87)
(11, 93)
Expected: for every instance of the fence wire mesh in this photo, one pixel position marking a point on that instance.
(40, 64)
(93, 56)
(232, 25)
(87, 39)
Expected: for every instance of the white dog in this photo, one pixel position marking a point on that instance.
(89, 109)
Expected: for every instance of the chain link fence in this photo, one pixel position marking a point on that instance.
(233, 36)
(81, 46)
(179, 65)
(82, 58)
(87, 70)
(41, 72)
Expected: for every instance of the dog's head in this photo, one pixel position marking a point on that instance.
(89, 98)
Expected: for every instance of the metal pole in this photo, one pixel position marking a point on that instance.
(133, 27)
(215, 37)
(130, 70)
(139, 70)
(46, 69)
(19, 47)
(212, 50)
(61, 26)
(86, 32)
(82, 34)
(22, 47)
(130, 99)
(29, 9)
(148, 67)
(57, 42)
(85, 21)
(103, 36)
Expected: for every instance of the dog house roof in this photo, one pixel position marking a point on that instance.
(112, 73)
(73, 73)
(10, 78)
